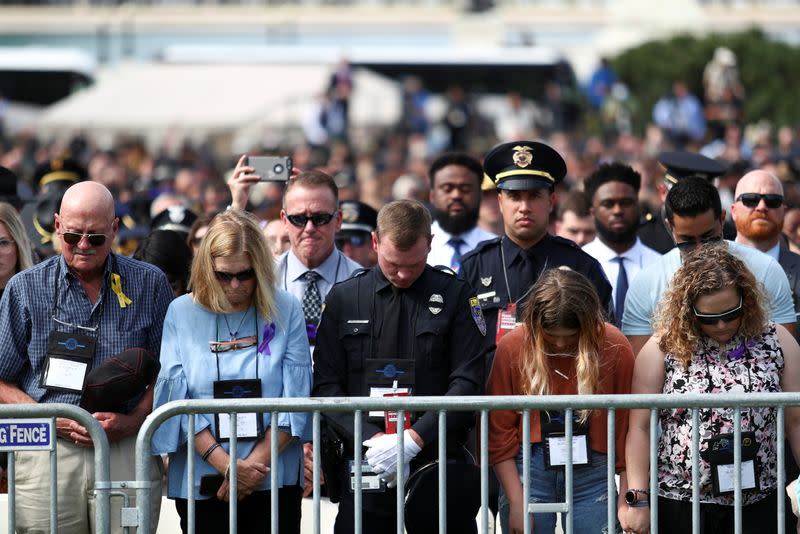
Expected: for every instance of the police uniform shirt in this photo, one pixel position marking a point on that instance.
(441, 329)
(483, 268)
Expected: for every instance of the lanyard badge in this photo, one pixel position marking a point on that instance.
(555, 441)
(67, 362)
(719, 455)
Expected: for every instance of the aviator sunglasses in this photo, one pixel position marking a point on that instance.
(317, 219)
(241, 276)
(714, 318)
(751, 200)
(73, 238)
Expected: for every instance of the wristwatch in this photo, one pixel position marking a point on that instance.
(633, 496)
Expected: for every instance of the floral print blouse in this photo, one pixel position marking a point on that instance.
(740, 366)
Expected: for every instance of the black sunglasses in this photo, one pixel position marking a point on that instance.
(714, 318)
(751, 200)
(317, 219)
(689, 245)
(73, 238)
(354, 240)
(241, 276)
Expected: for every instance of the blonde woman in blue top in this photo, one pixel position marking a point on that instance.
(234, 336)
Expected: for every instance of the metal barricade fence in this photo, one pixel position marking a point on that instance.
(483, 405)
(102, 473)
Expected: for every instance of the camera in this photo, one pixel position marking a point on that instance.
(271, 168)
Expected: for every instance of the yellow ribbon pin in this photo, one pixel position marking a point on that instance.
(116, 287)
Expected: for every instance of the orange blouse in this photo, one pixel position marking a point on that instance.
(505, 426)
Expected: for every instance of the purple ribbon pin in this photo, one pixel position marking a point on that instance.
(269, 333)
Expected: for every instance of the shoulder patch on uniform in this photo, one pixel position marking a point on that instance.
(477, 314)
(359, 272)
(445, 269)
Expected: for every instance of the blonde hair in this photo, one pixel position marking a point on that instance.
(229, 233)
(562, 298)
(707, 270)
(16, 230)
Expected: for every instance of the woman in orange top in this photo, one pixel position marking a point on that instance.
(563, 347)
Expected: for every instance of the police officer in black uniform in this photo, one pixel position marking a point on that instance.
(502, 270)
(404, 324)
(653, 231)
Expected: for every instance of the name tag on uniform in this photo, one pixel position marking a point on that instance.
(370, 480)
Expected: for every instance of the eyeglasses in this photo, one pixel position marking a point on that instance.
(751, 200)
(73, 238)
(6, 244)
(317, 219)
(242, 276)
(236, 344)
(92, 329)
(714, 318)
(353, 240)
(690, 245)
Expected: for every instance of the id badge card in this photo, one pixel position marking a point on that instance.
(371, 482)
(506, 321)
(248, 425)
(723, 470)
(383, 374)
(555, 441)
(67, 361)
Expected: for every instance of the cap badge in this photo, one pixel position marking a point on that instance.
(349, 213)
(522, 156)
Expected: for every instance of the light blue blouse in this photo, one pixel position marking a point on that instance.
(189, 369)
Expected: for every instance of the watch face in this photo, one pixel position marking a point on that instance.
(630, 497)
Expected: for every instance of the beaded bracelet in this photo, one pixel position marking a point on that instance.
(209, 450)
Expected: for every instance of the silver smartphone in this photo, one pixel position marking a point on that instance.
(271, 168)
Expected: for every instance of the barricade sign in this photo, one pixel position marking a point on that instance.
(26, 435)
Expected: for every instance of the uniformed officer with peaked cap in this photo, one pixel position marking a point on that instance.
(678, 165)
(502, 270)
(407, 325)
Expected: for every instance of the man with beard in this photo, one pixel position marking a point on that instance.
(455, 205)
(758, 211)
(613, 190)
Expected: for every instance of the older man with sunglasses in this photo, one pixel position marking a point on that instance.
(758, 211)
(73, 312)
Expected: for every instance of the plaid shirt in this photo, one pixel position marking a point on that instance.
(27, 308)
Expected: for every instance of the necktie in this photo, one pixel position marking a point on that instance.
(391, 340)
(622, 290)
(312, 301)
(455, 261)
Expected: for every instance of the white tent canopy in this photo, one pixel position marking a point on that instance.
(208, 99)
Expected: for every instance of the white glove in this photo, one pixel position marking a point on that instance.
(391, 480)
(382, 452)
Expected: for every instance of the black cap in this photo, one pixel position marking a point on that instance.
(522, 165)
(357, 217)
(8, 187)
(175, 218)
(119, 380)
(58, 170)
(39, 218)
(684, 164)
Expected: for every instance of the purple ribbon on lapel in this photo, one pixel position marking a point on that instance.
(269, 334)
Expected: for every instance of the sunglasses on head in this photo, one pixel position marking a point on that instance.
(751, 200)
(714, 318)
(241, 276)
(317, 219)
(236, 344)
(690, 245)
(73, 238)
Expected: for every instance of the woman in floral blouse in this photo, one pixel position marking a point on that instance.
(713, 336)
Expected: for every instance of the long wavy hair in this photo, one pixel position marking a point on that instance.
(229, 233)
(562, 298)
(707, 270)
